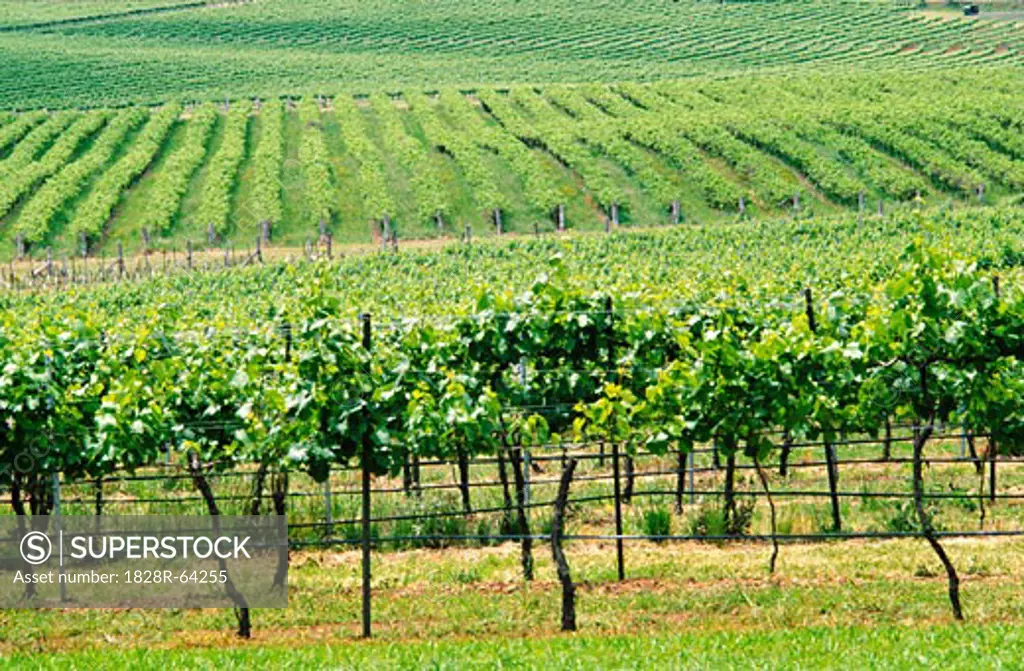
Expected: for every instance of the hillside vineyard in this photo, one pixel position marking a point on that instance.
(422, 164)
(542, 334)
(95, 52)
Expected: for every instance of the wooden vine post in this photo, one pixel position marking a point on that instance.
(562, 566)
(364, 462)
(202, 485)
(693, 484)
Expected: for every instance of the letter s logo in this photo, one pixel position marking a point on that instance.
(36, 547)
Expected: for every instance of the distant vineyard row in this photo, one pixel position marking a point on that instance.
(576, 156)
(310, 47)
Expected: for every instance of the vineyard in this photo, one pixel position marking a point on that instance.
(212, 50)
(674, 334)
(451, 163)
(693, 355)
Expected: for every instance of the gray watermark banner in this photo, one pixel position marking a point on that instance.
(143, 561)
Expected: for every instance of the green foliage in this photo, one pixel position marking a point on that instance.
(353, 533)
(165, 200)
(316, 170)
(431, 197)
(267, 160)
(92, 214)
(16, 129)
(436, 520)
(59, 190)
(637, 148)
(536, 177)
(904, 517)
(135, 370)
(463, 150)
(222, 171)
(25, 169)
(709, 521)
(657, 522)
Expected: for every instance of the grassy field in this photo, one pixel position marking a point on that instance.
(876, 603)
(881, 647)
(873, 604)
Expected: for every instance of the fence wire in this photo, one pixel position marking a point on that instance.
(696, 484)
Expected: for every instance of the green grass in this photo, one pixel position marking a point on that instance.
(859, 604)
(946, 646)
(849, 605)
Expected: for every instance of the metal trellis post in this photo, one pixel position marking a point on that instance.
(365, 467)
(689, 467)
(526, 450)
(60, 525)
